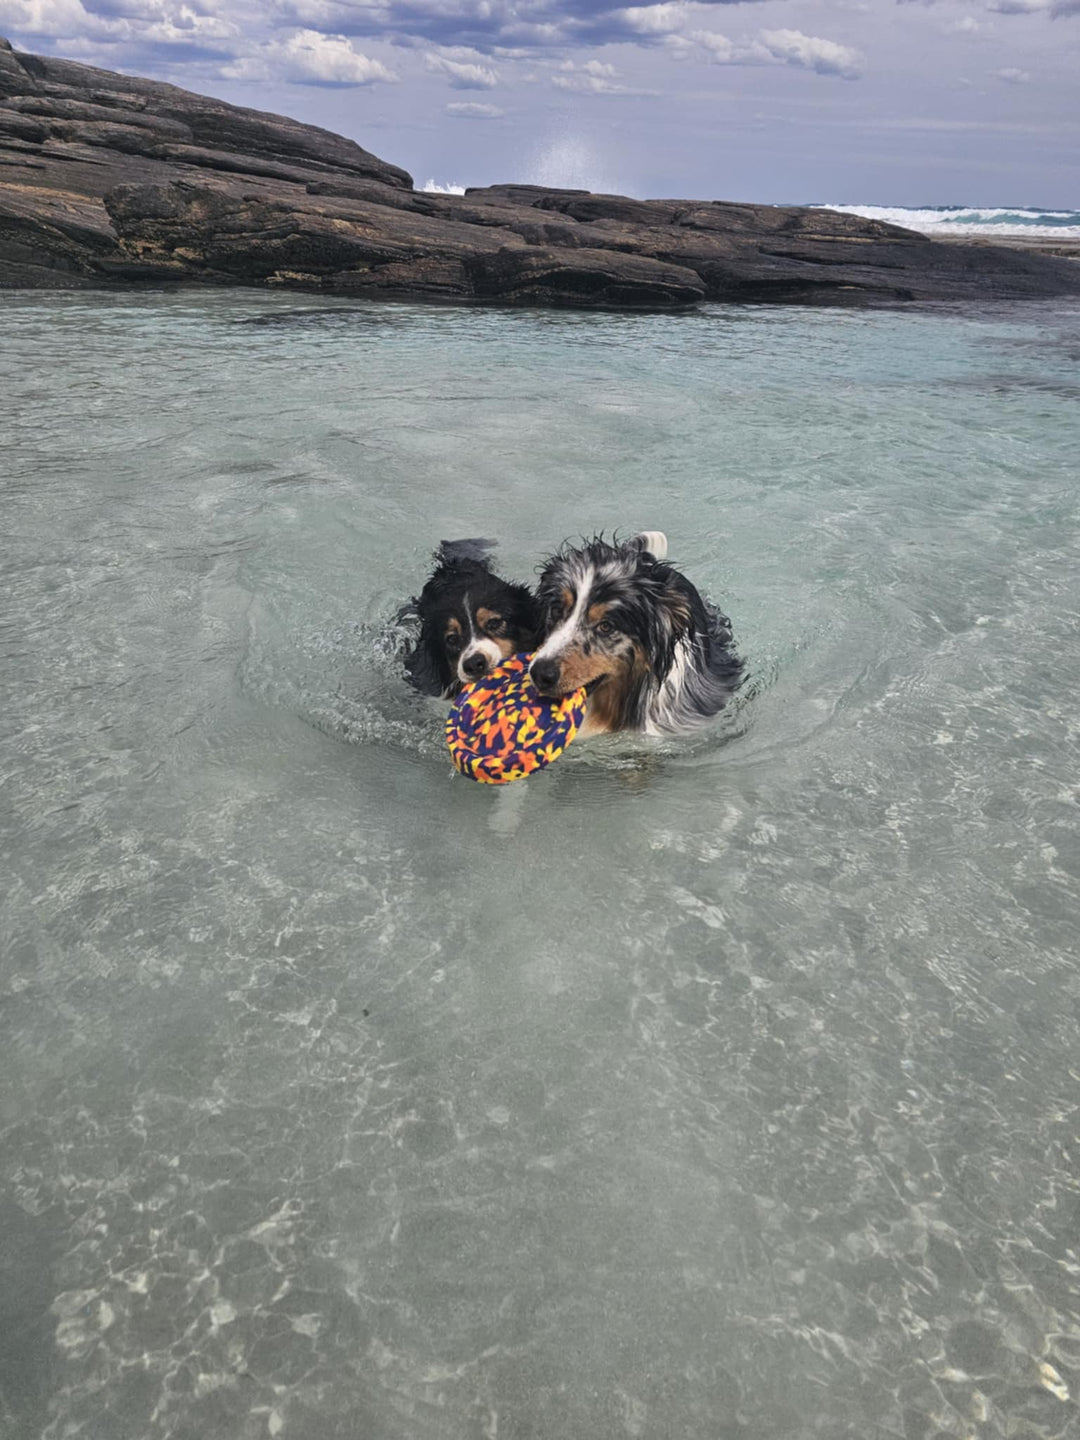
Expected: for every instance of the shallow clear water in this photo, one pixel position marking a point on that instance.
(704, 1090)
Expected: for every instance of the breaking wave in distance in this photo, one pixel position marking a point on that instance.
(971, 220)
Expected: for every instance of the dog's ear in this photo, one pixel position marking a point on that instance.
(672, 616)
(675, 598)
(526, 617)
(450, 551)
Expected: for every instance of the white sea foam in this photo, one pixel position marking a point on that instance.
(434, 188)
(971, 220)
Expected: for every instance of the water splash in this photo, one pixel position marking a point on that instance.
(434, 188)
(569, 162)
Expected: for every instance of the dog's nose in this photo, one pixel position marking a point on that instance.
(545, 674)
(475, 665)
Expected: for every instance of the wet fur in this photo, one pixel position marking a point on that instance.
(668, 663)
(457, 600)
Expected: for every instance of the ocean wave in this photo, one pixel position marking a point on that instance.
(970, 220)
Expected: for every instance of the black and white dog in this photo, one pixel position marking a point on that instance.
(653, 655)
(470, 620)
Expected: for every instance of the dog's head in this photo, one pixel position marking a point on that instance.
(470, 620)
(609, 614)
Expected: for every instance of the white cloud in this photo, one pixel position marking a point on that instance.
(826, 57)
(151, 22)
(678, 47)
(589, 78)
(471, 110)
(965, 25)
(772, 47)
(719, 47)
(329, 16)
(46, 17)
(1054, 8)
(1012, 76)
(462, 75)
(310, 58)
(589, 67)
(663, 19)
(185, 27)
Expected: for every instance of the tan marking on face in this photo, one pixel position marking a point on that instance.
(577, 669)
(596, 613)
(607, 703)
(453, 626)
(503, 643)
(567, 598)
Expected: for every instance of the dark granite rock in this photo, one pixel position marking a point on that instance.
(108, 179)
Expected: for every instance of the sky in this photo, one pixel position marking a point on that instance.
(874, 102)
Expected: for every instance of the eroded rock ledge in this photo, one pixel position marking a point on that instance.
(106, 179)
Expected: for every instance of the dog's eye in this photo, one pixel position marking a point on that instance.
(496, 625)
(453, 641)
(604, 629)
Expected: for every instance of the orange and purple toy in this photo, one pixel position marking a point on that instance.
(501, 728)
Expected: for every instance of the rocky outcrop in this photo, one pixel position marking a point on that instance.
(106, 179)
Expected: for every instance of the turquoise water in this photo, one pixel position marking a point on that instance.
(718, 1090)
